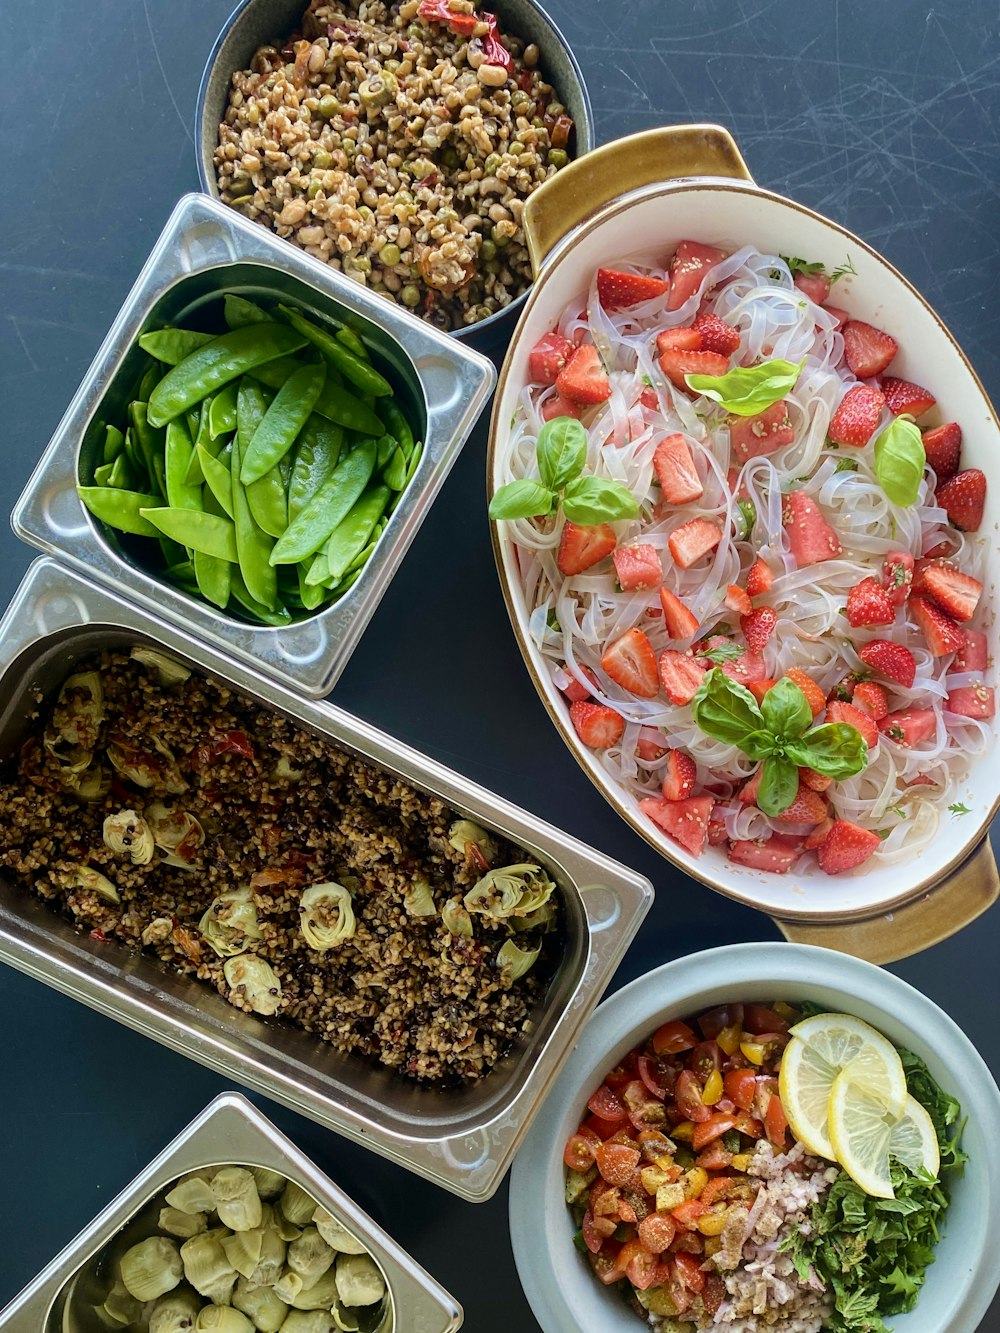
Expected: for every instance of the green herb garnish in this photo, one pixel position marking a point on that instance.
(959, 809)
(900, 461)
(723, 652)
(846, 465)
(811, 269)
(748, 390)
(561, 452)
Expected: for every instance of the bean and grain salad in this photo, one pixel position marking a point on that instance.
(156, 808)
(398, 143)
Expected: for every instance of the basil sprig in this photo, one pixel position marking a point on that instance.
(561, 452)
(900, 460)
(748, 390)
(779, 732)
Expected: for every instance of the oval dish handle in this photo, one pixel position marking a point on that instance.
(605, 173)
(965, 894)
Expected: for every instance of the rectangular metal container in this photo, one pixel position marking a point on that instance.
(230, 1131)
(205, 249)
(463, 1140)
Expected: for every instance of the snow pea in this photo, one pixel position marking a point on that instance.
(102, 474)
(352, 342)
(238, 312)
(394, 472)
(384, 450)
(282, 422)
(203, 437)
(149, 439)
(254, 547)
(148, 383)
(311, 595)
(316, 453)
(241, 594)
(222, 411)
(397, 424)
(172, 345)
(223, 359)
(120, 509)
(356, 371)
(120, 475)
(350, 537)
(213, 577)
(318, 573)
(331, 503)
(177, 457)
(218, 478)
(196, 530)
(114, 443)
(346, 582)
(266, 497)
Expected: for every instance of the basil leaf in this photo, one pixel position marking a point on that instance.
(900, 461)
(521, 499)
(779, 785)
(561, 451)
(748, 390)
(591, 500)
(725, 710)
(785, 709)
(846, 465)
(836, 750)
(759, 744)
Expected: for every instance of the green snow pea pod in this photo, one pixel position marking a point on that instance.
(254, 609)
(414, 462)
(149, 381)
(160, 473)
(266, 497)
(149, 439)
(120, 509)
(350, 537)
(196, 530)
(397, 424)
(222, 411)
(348, 581)
(338, 405)
(311, 595)
(102, 474)
(318, 572)
(114, 443)
(272, 374)
(354, 369)
(213, 578)
(120, 474)
(254, 547)
(133, 453)
(177, 457)
(352, 341)
(183, 570)
(171, 346)
(223, 359)
(384, 450)
(282, 422)
(238, 312)
(316, 453)
(175, 554)
(331, 503)
(218, 477)
(394, 472)
(203, 437)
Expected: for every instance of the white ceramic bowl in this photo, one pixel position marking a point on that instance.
(563, 1292)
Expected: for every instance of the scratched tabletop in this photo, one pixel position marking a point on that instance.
(885, 116)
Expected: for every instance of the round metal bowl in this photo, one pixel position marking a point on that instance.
(254, 23)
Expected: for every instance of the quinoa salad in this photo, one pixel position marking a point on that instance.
(398, 143)
(158, 809)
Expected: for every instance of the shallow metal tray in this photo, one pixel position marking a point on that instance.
(229, 1131)
(205, 249)
(463, 1140)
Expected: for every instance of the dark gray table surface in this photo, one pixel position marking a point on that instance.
(883, 116)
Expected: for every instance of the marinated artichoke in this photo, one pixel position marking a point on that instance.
(79, 711)
(231, 923)
(237, 1201)
(335, 1234)
(85, 877)
(456, 918)
(510, 891)
(151, 1268)
(128, 834)
(465, 833)
(326, 916)
(175, 1313)
(359, 1280)
(256, 981)
(167, 669)
(514, 962)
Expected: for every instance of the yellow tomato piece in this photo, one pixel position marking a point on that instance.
(684, 1132)
(694, 1181)
(669, 1197)
(713, 1088)
(652, 1178)
(754, 1051)
(729, 1039)
(713, 1223)
(741, 1161)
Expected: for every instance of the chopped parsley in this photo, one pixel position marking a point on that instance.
(846, 465)
(959, 809)
(723, 652)
(815, 269)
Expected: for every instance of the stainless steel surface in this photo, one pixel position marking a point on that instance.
(462, 1140)
(229, 1130)
(205, 249)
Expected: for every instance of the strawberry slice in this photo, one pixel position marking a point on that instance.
(679, 776)
(631, 663)
(547, 357)
(814, 285)
(758, 627)
(903, 396)
(942, 634)
(808, 807)
(871, 698)
(674, 466)
(575, 691)
(977, 701)
(684, 821)
(839, 314)
(770, 854)
(815, 697)
(759, 579)
(818, 835)
(638, 567)
(676, 363)
(857, 416)
(758, 688)
(974, 654)
(651, 745)
(941, 550)
(616, 290)
(737, 600)
(892, 659)
(581, 546)
(597, 725)
(909, 726)
(943, 449)
(867, 350)
(897, 576)
(682, 340)
(692, 540)
(956, 593)
(583, 379)
(753, 437)
(557, 406)
(679, 621)
(688, 268)
(747, 794)
(810, 536)
(962, 497)
(868, 603)
(717, 335)
(846, 847)
(856, 718)
(680, 676)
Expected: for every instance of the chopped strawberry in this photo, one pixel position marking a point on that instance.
(857, 416)
(978, 701)
(867, 350)
(679, 621)
(685, 821)
(557, 406)
(575, 691)
(941, 550)
(758, 688)
(839, 314)
(974, 654)
(813, 780)
(717, 335)
(631, 663)
(759, 579)
(808, 807)
(679, 776)
(752, 437)
(680, 676)
(810, 536)
(856, 718)
(943, 448)
(770, 854)
(676, 363)
(581, 546)
(954, 592)
(583, 379)
(692, 540)
(616, 290)
(745, 669)
(815, 697)
(941, 632)
(680, 340)
(892, 659)
(758, 627)
(814, 285)
(548, 356)
(597, 725)
(897, 576)
(871, 698)
(747, 794)
(909, 726)
(962, 497)
(846, 847)
(868, 603)
(817, 836)
(902, 396)
(675, 470)
(737, 600)
(638, 567)
(651, 745)
(688, 267)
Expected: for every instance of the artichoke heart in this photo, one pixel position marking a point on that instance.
(269, 1183)
(237, 1202)
(127, 834)
(262, 1306)
(122, 1307)
(514, 962)
(310, 1256)
(336, 1234)
(509, 891)
(271, 1261)
(419, 901)
(359, 1280)
(207, 1268)
(466, 831)
(283, 771)
(231, 922)
(176, 1312)
(256, 980)
(326, 916)
(309, 1321)
(93, 784)
(288, 1286)
(193, 1195)
(456, 918)
(243, 1250)
(183, 1225)
(222, 1319)
(319, 1295)
(296, 1205)
(85, 877)
(151, 1268)
(79, 710)
(176, 833)
(167, 669)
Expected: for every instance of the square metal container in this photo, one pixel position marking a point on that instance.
(462, 1140)
(230, 1131)
(205, 249)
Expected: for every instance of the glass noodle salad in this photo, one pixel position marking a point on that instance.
(749, 554)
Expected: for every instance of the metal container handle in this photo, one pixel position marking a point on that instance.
(950, 906)
(582, 187)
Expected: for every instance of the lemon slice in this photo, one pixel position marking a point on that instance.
(913, 1141)
(860, 1130)
(804, 1083)
(844, 1042)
